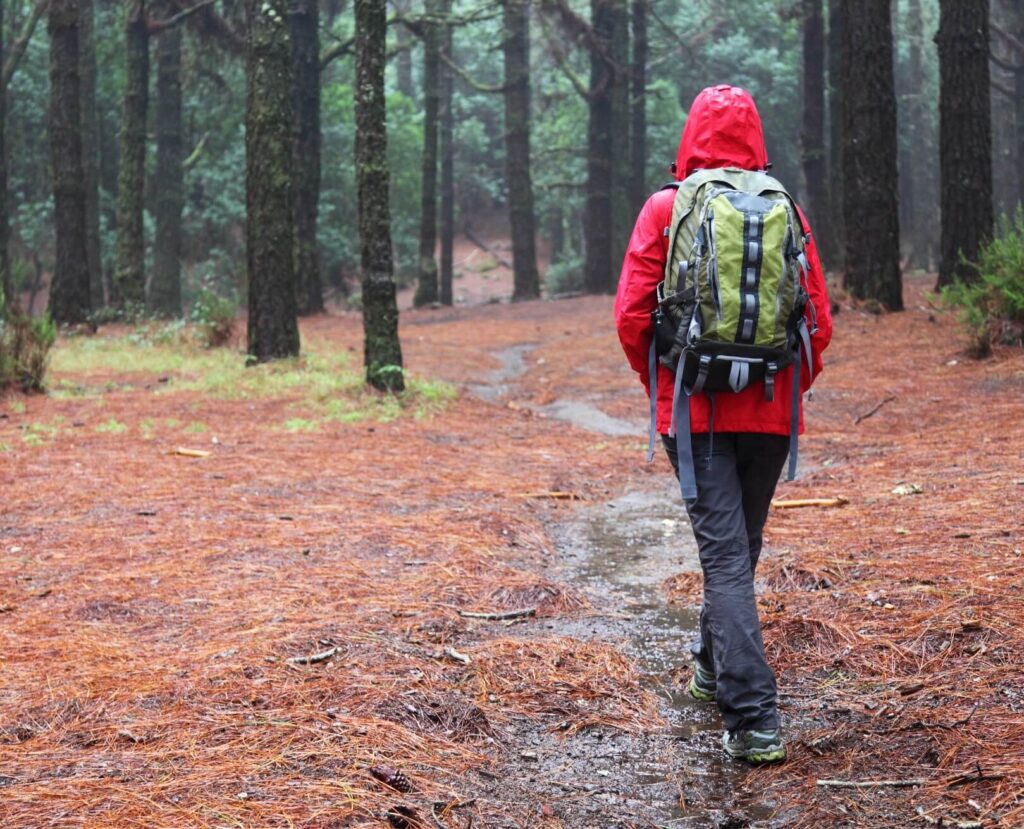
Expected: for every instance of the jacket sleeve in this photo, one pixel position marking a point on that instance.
(642, 270)
(819, 313)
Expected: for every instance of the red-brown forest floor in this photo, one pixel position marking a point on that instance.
(150, 602)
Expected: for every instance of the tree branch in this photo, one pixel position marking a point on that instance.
(469, 79)
(18, 47)
(338, 50)
(1006, 65)
(1015, 42)
(157, 26)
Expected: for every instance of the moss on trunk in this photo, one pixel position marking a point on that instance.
(273, 327)
(382, 352)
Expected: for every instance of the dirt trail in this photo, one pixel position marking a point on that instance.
(150, 602)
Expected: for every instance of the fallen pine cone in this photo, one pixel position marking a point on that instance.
(403, 817)
(392, 777)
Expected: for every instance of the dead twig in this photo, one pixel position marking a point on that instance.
(190, 453)
(451, 653)
(554, 496)
(870, 784)
(944, 821)
(500, 616)
(313, 658)
(797, 503)
(874, 410)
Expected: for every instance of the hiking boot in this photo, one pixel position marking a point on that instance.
(702, 685)
(755, 746)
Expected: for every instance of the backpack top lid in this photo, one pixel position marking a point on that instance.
(723, 129)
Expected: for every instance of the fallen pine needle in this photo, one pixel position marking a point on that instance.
(190, 453)
(499, 617)
(838, 501)
(555, 496)
(869, 784)
(960, 824)
(313, 658)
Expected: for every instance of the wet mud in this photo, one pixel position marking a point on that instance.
(618, 554)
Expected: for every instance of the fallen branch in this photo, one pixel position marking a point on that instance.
(555, 496)
(499, 617)
(870, 784)
(874, 410)
(942, 821)
(313, 658)
(451, 653)
(190, 453)
(486, 248)
(838, 501)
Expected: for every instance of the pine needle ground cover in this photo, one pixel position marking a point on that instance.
(211, 619)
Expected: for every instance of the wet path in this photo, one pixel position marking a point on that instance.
(619, 553)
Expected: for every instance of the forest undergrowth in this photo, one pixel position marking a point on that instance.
(211, 619)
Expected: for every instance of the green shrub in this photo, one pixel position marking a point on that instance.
(565, 276)
(992, 307)
(214, 318)
(24, 351)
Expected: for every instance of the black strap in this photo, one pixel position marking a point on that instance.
(652, 371)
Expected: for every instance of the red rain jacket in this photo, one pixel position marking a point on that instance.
(723, 129)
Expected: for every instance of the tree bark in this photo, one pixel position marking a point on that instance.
(91, 152)
(130, 268)
(516, 45)
(270, 239)
(834, 248)
(169, 179)
(305, 25)
(382, 352)
(69, 289)
(597, 216)
(1019, 108)
(427, 274)
(815, 163)
(621, 116)
(7, 298)
(965, 136)
(446, 143)
(638, 108)
(921, 209)
(870, 184)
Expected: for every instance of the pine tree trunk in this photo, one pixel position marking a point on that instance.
(834, 249)
(7, 297)
(426, 283)
(169, 179)
(638, 108)
(870, 184)
(621, 162)
(815, 163)
(446, 141)
(69, 290)
(305, 25)
(597, 213)
(517, 148)
(965, 136)
(130, 269)
(921, 210)
(403, 65)
(91, 151)
(270, 237)
(382, 352)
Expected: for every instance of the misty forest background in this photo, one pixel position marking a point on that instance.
(552, 120)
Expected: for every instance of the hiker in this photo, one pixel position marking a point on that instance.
(728, 447)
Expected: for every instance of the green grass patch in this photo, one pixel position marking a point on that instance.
(112, 427)
(196, 428)
(323, 383)
(39, 434)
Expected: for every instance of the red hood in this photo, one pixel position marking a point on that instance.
(723, 129)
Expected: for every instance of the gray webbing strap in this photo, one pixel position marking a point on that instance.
(684, 445)
(794, 422)
(652, 372)
(803, 353)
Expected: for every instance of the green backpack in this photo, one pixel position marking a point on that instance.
(730, 310)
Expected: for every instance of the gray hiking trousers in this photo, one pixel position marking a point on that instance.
(734, 492)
